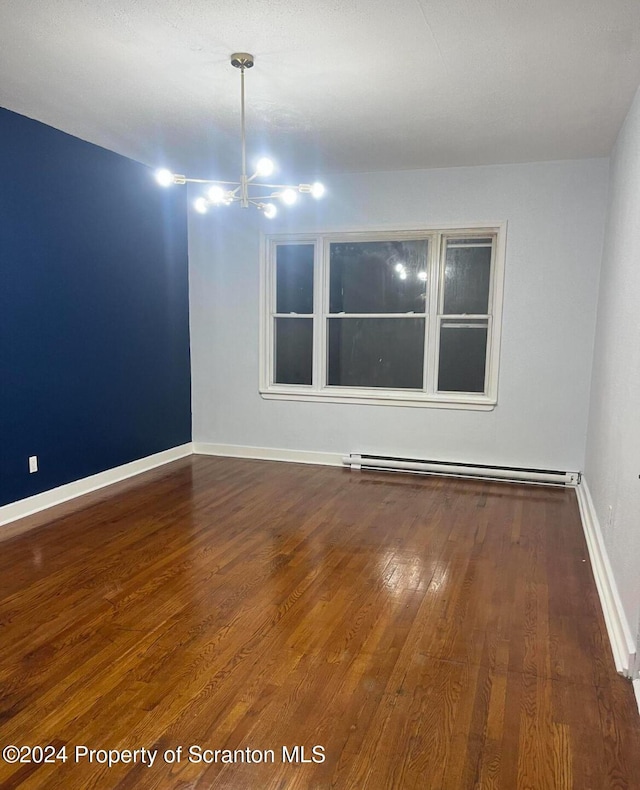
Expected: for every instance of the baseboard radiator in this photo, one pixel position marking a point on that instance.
(511, 474)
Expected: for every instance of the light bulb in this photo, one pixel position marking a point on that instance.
(289, 196)
(399, 267)
(317, 189)
(265, 166)
(422, 275)
(216, 194)
(403, 275)
(164, 177)
(201, 205)
(270, 211)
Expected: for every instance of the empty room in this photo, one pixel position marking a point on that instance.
(319, 386)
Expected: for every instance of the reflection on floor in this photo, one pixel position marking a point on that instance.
(425, 633)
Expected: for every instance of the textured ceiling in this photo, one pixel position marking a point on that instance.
(337, 86)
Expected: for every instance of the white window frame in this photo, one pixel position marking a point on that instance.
(319, 391)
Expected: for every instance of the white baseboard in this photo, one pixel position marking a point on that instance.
(620, 636)
(56, 496)
(268, 454)
(636, 688)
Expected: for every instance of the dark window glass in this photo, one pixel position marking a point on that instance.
(294, 350)
(294, 278)
(466, 280)
(463, 356)
(376, 352)
(378, 277)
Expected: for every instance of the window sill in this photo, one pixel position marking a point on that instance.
(373, 398)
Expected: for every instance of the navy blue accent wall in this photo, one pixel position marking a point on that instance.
(94, 311)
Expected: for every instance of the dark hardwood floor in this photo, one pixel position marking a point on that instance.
(426, 633)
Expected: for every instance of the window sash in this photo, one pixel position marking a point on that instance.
(274, 349)
(464, 322)
(387, 289)
(384, 316)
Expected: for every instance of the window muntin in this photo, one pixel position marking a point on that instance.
(428, 337)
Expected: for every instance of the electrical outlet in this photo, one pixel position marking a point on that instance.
(33, 463)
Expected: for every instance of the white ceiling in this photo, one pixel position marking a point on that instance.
(355, 85)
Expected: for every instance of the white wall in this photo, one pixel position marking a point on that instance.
(613, 447)
(555, 213)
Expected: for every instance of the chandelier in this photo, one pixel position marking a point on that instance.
(247, 191)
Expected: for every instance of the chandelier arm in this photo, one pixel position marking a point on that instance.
(210, 181)
(278, 186)
(270, 197)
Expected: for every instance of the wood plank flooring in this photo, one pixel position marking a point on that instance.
(426, 633)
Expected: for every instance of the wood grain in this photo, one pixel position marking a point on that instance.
(427, 633)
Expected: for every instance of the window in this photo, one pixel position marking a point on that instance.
(404, 317)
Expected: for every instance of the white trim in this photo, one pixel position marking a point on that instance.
(622, 644)
(397, 398)
(56, 496)
(636, 688)
(268, 454)
(383, 228)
